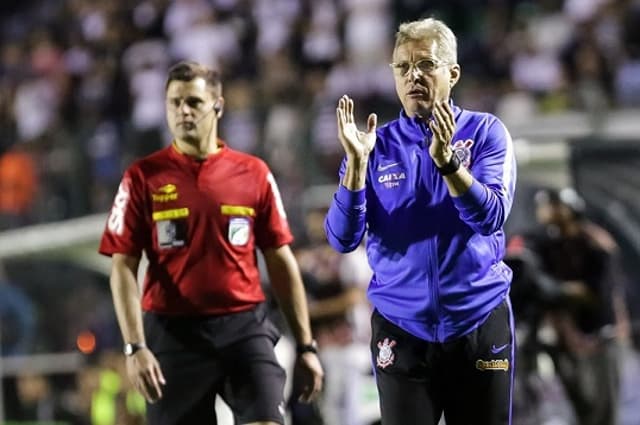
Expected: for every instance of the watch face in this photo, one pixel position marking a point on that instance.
(132, 348)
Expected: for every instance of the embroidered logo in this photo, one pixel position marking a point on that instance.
(386, 355)
(492, 365)
(496, 350)
(168, 188)
(462, 149)
(166, 193)
(385, 167)
(390, 180)
(239, 231)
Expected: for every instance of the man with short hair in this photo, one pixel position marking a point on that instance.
(199, 210)
(581, 260)
(432, 189)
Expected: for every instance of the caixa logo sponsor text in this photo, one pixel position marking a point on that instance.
(390, 180)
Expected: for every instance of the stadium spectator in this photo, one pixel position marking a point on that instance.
(18, 187)
(584, 301)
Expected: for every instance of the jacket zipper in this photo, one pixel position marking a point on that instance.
(432, 255)
(435, 293)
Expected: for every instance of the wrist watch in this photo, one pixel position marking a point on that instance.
(131, 348)
(307, 348)
(450, 167)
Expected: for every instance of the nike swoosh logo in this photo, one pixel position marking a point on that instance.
(386, 167)
(496, 350)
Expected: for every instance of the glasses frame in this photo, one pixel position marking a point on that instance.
(395, 66)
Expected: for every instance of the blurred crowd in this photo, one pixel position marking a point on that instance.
(98, 394)
(82, 81)
(82, 96)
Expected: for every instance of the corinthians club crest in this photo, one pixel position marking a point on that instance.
(462, 149)
(385, 353)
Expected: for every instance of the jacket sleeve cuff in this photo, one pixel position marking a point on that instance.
(350, 198)
(472, 198)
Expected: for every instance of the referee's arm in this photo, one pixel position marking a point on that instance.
(126, 297)
(142, 366)
(288, 289)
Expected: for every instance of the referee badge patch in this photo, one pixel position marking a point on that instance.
(386, 356)
(171, 233)
(239, 231)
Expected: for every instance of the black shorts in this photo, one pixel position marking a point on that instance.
(469, 379)
(200, 357)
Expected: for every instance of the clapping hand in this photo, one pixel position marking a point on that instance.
(443, 126)
(357, 144)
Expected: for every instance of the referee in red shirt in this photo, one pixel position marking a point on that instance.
(198, 210)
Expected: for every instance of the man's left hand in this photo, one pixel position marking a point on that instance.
(310, 374)
(443, 126)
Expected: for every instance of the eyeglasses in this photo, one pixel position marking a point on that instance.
(425, 66)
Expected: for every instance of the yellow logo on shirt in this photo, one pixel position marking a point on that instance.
(167, 193)
(168, 188)
(171, 214)
(237, 210)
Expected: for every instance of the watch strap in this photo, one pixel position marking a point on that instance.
(450, 167)
(307, 348)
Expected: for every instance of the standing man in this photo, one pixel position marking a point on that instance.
(590, 317)
(199, 209)
(433, 190)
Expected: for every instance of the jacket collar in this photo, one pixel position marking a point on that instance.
(416, 125)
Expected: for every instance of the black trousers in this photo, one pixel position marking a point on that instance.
(592, 382)
(469, 379)
(201, 357)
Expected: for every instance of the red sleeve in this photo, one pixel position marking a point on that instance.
(272, 229)
(126, 226)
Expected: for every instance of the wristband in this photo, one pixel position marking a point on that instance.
(450, 167)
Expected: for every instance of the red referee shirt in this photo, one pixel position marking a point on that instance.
(199, 222)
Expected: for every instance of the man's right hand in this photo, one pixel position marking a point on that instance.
(145, 374)
(357, 144)
(310, 374)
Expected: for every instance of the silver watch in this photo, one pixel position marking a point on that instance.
(130, 348)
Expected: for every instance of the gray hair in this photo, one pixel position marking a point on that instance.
(430, 29)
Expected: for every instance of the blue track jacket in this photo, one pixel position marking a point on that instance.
(437, 260)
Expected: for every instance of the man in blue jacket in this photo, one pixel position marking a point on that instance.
(432, 189)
